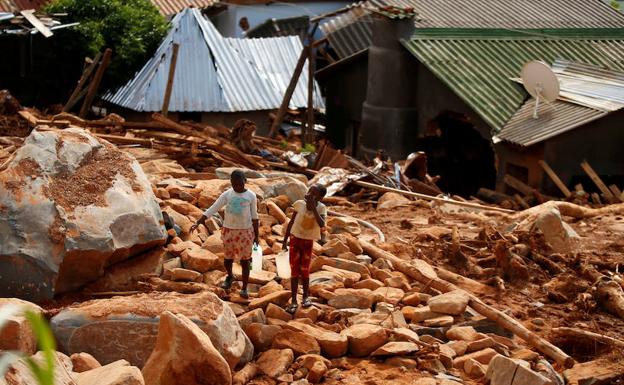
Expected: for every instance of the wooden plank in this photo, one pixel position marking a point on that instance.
(32, 19)
(615, 190)
(29, 117)
(78, 91)
(555, 178)
(521, 201)
(308, 133)
(95, 83)
(172, 68)
(289, 92)
(598, 182)
(430, 198)
(518, 185)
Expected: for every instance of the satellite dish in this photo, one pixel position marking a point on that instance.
(540, 82)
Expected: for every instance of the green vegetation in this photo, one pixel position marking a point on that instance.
(131, 28)
(309, 147)
(43, 373)
(615, 4)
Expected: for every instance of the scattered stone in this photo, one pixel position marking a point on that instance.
(351, 298)
(335, 247)
(443, 321)
(349, 277)
(505, 371)
(185, 275)
(558, 234)
(269, 288)
(300, 343)
(332, 344)
(83, 362)
(405, 334)
(594, 372)
(388, 294)
(482, 356)
(116, 373)
(369, 283)
(274, 311)
(343, 225)
(312, 313)
(481, 344)
(316, 372)
(398, 282)
(279, 298)
(19, 372)
(365, 339)
(253, 316)
(425, 381)
(200, 260)
(463, 333)
(261, 335)
(385, 307)
(459, 347)
(392, 200)
(275, 362)
(127, 326)
(17, 334)
(419, 314)
(407, 363)
(245, 375)
(184, 354)
(276, 212)
(396, 349)
(452, 303)
(474, 369)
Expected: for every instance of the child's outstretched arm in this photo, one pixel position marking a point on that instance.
(219, 203)
(287, 233)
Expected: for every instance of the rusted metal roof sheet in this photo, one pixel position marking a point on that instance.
(215, 74)
(171, 7)
(553, 119)
(21, 5)
(522, 14)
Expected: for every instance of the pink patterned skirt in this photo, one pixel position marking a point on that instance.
(237, 243)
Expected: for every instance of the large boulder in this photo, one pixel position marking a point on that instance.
(184, 355)
(126, 327)
(71, 205)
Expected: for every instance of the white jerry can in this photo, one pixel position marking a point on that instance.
(256, 258)
(282, 261)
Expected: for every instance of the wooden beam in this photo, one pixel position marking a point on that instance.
(615, 190)
(599, 183)
(95, 83)
(279, 117)
(29, 117)
(521, 201)
(172, 68)
(430, 198)
(555, 178)
(309, 132)
(32, 19)
(75, 96)
(518, 185)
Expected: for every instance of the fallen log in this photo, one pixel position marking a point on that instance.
(578, 333)
(422, 274)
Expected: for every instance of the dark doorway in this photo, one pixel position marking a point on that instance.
(459, 154)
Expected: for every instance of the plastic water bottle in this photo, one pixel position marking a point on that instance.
(282, 262)
(256, 258)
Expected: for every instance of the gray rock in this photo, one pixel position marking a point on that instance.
(71, 205)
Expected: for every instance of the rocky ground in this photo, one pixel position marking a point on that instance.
(448, 297)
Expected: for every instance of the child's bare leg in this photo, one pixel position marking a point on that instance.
(294, 287)
(305, 283)
(245, 265)
(228, 263)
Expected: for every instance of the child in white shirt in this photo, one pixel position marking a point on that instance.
(240, 227)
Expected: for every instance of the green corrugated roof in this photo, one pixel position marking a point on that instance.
(477, 64)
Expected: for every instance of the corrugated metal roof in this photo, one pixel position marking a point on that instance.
(523, 14)
(20, 5)
(553, 119)
(214, 73)
(478, 64)
(290, 26)
(171, 7)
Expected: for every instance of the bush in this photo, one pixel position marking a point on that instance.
(131, 28)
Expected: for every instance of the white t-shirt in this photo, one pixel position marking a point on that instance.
(306, 226)
(240, 208)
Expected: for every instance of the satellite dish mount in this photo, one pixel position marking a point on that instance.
(540, 82)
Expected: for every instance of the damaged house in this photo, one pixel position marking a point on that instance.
(444, 84)
(217, 79)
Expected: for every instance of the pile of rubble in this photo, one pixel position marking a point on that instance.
(146, 303)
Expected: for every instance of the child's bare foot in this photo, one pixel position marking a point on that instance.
(292, 308)
(306, 302)
(227, 284)
(244, 293)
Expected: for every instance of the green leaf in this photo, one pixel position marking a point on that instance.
(45, 339)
